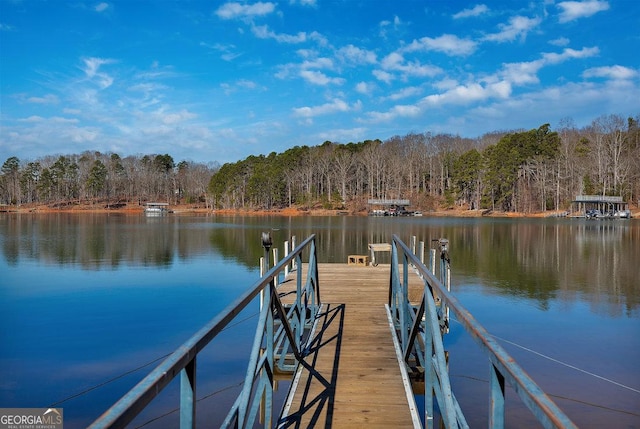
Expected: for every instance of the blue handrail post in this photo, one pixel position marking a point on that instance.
(188, 395)
(300, 313)
(429, 372)
(396, 307)
(437, 386)
(259, 380)
(266, 371)
(313, 271)
(405, 304)
(496, 406)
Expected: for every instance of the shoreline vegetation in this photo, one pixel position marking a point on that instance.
(178, 209)
(535, 173)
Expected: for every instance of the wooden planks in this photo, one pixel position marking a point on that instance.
(352, 376)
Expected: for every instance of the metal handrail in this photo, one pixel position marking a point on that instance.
(261, 365)
(409, 321)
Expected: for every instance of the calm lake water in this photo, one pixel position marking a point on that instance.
(89, 303)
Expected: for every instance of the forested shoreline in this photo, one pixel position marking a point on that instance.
(107, 178)
(517, 171)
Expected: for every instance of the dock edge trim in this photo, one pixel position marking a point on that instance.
(415, 417)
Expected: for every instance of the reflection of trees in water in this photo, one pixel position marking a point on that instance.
(541, 260)
(336, 237)
(100, 241)
(545, 260)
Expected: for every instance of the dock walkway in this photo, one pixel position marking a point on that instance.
(353, 378)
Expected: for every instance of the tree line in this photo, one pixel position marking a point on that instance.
(93, 176)
(526, 171)
(523, 170)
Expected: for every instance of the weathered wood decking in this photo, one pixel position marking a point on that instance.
(352, 377)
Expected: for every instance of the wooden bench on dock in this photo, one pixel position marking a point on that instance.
(378, 247)
(359, 260)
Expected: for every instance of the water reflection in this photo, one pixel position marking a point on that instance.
(541, 260)
(123, 290)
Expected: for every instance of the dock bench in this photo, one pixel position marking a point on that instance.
(378, 247)
(359, 260)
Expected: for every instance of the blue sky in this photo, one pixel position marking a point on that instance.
(218, 81)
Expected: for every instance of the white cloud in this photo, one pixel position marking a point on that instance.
(93, 64)
(60, 120)
(554, 102)
(364, 88)
(526, 72)
(304, 2)
(405, 93)
(33, 118)
(612, 72)
(342, 135)
(172, 118)
(147, 87)
(263, 32)
(318, 63)
(242, 84)
(240, 10)
(477, 10)
(396, 62)
(572, 10)
(319, 78)
(560, 41)
(473, 92)
(383, 76)
(351, 54)
(47, 99)
(522, 73)
(335, 106)
(445, 84)
(447, 43)
(227, 52)
(518, 26)
(91, 70)
(398, 111)
(392, 61)
(384, 25)
(568, 53)
(63, 131)
(53, 119)
(101, 7)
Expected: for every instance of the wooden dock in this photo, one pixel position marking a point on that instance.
(352, 377)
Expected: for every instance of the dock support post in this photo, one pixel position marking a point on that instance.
(286, 253)
(188, 396)
(429, 373)
(496, 406)
(432, 261)
(293, 246)
(275, 262)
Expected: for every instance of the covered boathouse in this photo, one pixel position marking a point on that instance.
(606, 205)
(388, 207)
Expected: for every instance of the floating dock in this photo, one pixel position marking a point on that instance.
(348, 335)
(355, 378)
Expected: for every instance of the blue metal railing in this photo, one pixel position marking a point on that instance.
(279, 337)
(420, 328)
